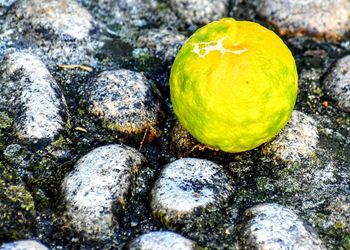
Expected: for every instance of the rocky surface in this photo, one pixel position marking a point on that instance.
(98, 185)
(272, 226)
(327, 20)
(161, 241)
(23, 245)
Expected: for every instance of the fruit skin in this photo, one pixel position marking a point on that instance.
(233, 85)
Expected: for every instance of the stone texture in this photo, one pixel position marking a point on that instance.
(124, 100)
(272, 226)
(297, 141)
(188, 186)
(181, 141)
(337, 83)
(161, 241)
(64, 19)
(98, 186)
(200, 11)
(323, 19)
(34, 97)
(23, 245)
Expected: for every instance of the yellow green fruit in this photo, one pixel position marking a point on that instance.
(233, 85)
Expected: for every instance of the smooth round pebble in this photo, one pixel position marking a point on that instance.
(163, 44)
(200, 11)
(51, 17)
(29, 91)
(323, 19)
(272, 226)
(187, 186)
(297, 141)
(124, 100)
(337, 83)
(23, 245)
(161, 241)
(98, 186)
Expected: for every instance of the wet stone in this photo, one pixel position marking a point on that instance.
(163, 44)
(322, 19)
(98, 187)
(62, 19)
(124, 100)
(298, 140)
(337, 83)
(23, 245)
(161, 241)
(200, 11)
(188, 187)
(272, 226)
(28, 89)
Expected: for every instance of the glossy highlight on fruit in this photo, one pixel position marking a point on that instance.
(233, 85)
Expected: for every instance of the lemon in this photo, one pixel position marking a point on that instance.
(233, 85)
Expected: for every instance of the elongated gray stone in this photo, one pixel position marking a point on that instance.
(28, 90)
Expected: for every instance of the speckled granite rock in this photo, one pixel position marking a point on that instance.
(337, 83)
(163, 44)
(272, 226)
(297, 141)
(23, 245)
(63, 19)
(161, 241)
(200, 11)
(98, 187)
(188, 186)
(327, 20)
(29, 91)
(124, 100)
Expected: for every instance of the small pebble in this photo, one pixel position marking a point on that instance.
(161, 241)
(337, 83)
(124, 100)
(200, 11)
(23, 245)
(28, 90)
(297, 141)
(51, 18)
(322, 19)
(98, 187)
(187, 186)
(272, 226)
(163, 44)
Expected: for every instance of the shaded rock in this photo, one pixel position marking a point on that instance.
(62, 19)
(17, 210)
(161, 241)
(298, 139)
(337, 83)
(23, 245)
(200, 11)
(98, 188)
(163, 44)
(272, 226)
(187, 187)
(35, 99)
(326, 20)
(124, 101)
(338, 213)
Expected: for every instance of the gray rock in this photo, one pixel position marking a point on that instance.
(187, 186)
(124, 101)
(272, 226)
(97, 187)
(337, 83)
(326, 20)
(297, 141)
(161, 241)
(52, 17)
(28, 89)
(163, 43)
(23, 245)
(200, 11)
